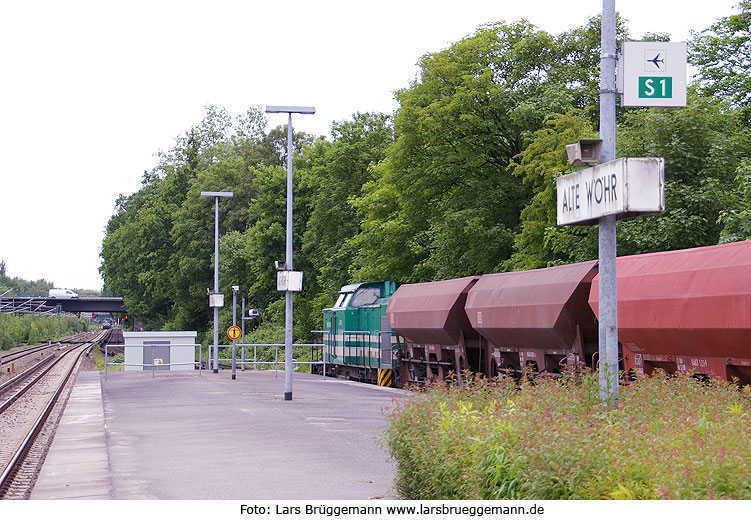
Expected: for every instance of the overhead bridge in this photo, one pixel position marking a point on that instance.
(72, 305)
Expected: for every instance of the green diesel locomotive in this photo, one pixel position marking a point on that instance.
(358, 341)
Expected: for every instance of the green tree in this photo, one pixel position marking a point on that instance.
(722, 53)
(445, 201)
(540, 242)
(158, 245)
(18, 287)
(136, 243)
(703, 145)
(265, 242)
(334, 173)
(736, 220)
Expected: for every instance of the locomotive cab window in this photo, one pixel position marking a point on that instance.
(366, 296)
(342, 300)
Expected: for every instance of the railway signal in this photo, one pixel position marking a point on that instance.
(234, 331)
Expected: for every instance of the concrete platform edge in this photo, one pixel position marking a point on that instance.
(77, 465)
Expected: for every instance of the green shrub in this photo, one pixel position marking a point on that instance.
(17, 330)
(668, 438)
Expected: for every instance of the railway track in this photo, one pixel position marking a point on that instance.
(13, 361)
(30, 408)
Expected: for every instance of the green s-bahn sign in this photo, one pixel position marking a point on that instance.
(655, 87)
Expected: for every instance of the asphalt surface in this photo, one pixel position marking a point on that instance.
(181, 436)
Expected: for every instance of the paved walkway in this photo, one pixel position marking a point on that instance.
(77, 466)
(184, 436)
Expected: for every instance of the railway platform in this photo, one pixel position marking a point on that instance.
(181, 436)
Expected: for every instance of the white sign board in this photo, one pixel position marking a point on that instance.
(652, 74)
(216, 300)
(289, 281)
(625, 187)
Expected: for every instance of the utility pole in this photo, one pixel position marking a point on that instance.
(639, 181)
(235, 289)
(242, 330)
(608, 326)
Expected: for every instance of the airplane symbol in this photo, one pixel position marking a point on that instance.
(656, 61)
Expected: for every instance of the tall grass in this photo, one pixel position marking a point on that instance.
(669, 438)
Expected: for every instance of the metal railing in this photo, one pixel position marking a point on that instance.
(199, 363)
(153, 366)
(276, 362)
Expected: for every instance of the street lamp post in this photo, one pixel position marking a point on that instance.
(217, 195)
(288, 294)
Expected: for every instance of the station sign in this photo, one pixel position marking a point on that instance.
(625, 187)
(289, 281)
(652, 74)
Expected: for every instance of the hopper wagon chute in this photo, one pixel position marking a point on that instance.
(437, 337)
(536, 320)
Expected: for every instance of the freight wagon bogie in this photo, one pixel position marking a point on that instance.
(428, 362)
(735, 370)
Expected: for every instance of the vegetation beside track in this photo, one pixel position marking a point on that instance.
(16, 330)
(97, 359)
(675, 438)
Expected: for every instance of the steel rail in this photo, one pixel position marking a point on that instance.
(25, 352)
(13, 398)
(17, 458)
(23, 375)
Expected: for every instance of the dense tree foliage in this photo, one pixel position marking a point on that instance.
(539, 242)
(446, 201)
(21, 329)
(459, 181)
(334, 174)
(722, 53)
(703, 145)
(736, 220)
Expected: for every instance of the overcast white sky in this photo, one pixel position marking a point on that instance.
(90, 91)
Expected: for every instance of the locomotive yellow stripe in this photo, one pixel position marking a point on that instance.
(386, 378)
